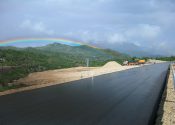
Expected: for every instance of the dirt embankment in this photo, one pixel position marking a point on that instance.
(52, 77)
(70, 74)
(155, 61)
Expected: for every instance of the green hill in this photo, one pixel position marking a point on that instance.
(83, 50)
(18, 62)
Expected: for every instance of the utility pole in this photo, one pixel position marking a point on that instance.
(27, 59)
(1, 60)
(87, 62)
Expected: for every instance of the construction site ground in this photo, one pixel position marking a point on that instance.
(58, 76)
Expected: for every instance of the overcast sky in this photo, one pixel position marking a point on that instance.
(144, 23)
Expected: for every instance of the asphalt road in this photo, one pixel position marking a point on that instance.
(121, 98)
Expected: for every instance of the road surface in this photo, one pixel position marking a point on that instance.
(121, 98)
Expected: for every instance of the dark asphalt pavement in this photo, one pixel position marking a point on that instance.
(122, 98)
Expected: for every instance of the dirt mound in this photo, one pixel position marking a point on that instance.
(112, 64)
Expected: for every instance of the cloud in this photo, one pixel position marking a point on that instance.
(38, 27)
(137, 44)
(105, 22)
(165, 48)
(116, 38)
(87, 36)
(145, 31)
(135, 34)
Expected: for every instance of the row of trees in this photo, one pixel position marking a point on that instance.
(171, 58)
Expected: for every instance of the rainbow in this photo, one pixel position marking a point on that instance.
(24, 42)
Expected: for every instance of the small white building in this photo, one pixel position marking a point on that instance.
(125, 63)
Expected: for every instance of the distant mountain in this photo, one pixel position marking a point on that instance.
(134, 50)
(84, 51)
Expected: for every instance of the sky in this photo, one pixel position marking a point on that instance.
(146, 25)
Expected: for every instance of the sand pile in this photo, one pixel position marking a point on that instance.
(112, 65)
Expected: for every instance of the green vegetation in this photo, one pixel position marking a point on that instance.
(19, 62)
(171, 58)
(3, 88)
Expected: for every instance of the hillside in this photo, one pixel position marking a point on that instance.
(83, 50)
(21, 61)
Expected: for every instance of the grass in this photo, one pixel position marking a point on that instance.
(12, 75)
(4, 88)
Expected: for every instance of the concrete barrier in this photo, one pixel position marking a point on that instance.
(166, 112)
(173, 71)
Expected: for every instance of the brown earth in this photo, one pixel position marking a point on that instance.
(53, 77)
(70, 74)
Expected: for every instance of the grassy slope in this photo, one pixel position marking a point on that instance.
(53, 56)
